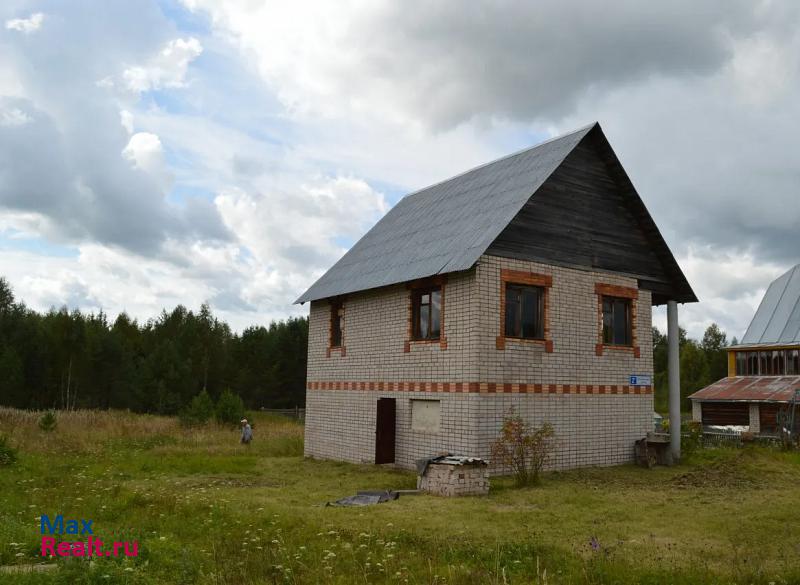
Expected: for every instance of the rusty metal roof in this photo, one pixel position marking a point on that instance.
(751, 389)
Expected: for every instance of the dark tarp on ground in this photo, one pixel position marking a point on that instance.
(365, 498)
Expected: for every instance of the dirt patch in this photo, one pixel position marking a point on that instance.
(718, 475)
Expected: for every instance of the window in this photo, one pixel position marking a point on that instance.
(426, 415)
(426, 313)
(617, 321)
(764, 363)
(524, 311)
(778, 368)
(337, 323)
(769, 363)
(741, 363)
(793, 362)
(752, 364)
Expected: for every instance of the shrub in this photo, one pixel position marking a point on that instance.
(523, 449)
(230, 408)
(199, 411)
(48, 421)
(8, 454)
(691, 437)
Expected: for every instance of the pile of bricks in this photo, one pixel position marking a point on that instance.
(453, 479)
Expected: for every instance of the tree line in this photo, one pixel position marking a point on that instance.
(701, 363)
(67, 359)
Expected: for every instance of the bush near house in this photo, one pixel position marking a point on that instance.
(522, 449)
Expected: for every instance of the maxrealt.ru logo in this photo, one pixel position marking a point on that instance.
(91, 547)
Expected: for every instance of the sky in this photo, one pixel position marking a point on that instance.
(155, 153)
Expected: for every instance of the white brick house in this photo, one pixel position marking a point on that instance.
(524, 283)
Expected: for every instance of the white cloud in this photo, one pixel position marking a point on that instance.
(145, 151)
(13, 117)
(167, 69)
(285, 161)
(26, 25)
(126, 119)
(293, 229)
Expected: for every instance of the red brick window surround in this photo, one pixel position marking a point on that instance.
(614, 303)
(336, 328)
(425, 318)
(520, 281)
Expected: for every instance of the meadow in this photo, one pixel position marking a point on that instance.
(205, 509)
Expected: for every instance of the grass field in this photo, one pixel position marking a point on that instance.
(205, 509)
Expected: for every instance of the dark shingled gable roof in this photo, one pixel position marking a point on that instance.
(446, 227)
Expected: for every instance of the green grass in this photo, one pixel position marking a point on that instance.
(205, 509)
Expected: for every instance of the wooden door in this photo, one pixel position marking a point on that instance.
(385, 430)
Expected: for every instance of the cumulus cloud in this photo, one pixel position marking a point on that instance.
(26, 25)
(13, 117)
(165, 70)
(700, 103)
(447, 63)
(145, 151)
(296, 231)
(306, 119)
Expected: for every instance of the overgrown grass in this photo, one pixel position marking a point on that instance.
(206, 509)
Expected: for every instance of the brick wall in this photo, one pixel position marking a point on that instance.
(584, 395)
(574, 329)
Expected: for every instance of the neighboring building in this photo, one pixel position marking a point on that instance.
(763, 370)
(527, 283)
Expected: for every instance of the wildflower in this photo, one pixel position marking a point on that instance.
(129, 569)
(162, 538)
(594, 544)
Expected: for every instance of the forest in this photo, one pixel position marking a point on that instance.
(69, 359)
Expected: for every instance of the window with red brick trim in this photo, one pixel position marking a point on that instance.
(524, 311)
(337, 323)
(616, 307)
(524, 301)
(617, 328)
(426, 307)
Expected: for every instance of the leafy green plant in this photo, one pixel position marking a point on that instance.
(199, 411)
(230, 408)
(8, 454)
(691, 437)
(48, 421)
(523, 449)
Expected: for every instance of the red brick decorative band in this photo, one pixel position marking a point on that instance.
(481, 387)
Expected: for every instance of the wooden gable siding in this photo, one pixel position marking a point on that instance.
(580, 217)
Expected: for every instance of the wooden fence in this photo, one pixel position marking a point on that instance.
(296, 413)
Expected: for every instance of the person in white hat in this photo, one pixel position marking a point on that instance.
(247, 432)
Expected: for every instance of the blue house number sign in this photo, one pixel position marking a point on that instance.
(640, 380)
